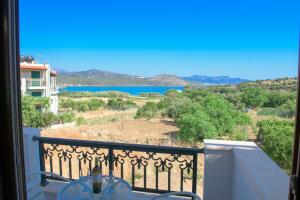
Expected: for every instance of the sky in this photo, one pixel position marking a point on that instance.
(255, 39)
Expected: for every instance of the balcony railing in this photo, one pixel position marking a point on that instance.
(147, 168)
(35, 82)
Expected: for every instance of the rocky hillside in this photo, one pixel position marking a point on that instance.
(98, 77)
(170, 80)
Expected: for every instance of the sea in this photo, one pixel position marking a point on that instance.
(133, 90)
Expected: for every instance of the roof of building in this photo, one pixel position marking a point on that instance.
(31, 66)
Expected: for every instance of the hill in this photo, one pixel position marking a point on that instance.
(167, 79)
(279, 84)
(214, 80)
(98, 77)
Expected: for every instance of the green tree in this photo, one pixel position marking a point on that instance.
(253, 97)
(277, 140)
(276, 99)
(148, 111)
(196, 127)
(95, 104)
(120, 104)
(223, 114)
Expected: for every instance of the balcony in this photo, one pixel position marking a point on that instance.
(232, 170)
(35, 83)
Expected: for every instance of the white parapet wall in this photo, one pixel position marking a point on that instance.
(237, 170)
(31, 149)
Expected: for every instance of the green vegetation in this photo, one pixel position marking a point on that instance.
(120, 104)
(148, 111)
(35, 113)
(286, 110)
(82, 105)
(277, 139)
(150, 94)
(80, 121)
(196, 126)
(253, 97)
(280, 84)
(110, 94)
(221, 112)
(198, 114)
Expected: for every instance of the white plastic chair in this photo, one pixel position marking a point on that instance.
(76, 190)
(115, 189)
(34, 189)
(167, 195)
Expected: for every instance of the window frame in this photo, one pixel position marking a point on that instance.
(294, 191)
(12, 172)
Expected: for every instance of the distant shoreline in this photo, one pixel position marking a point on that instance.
(132, 90)
(122, 86)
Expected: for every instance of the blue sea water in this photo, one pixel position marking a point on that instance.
(133, 90)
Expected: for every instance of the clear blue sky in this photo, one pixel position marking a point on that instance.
(254, 39)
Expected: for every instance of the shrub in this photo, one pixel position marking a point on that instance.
(67, 104)
(253, 97)
(277, 139)
(268, 111)
(174, 107)
(239, 134)
(65, 117)
(109, 94)
(120, 104)
(80, 121)
(82, 106)
(95, 104)
(148, 111)
(196, 127)
(286, 110)
(150, 94)
(276, 99)
(223, 114)
(32, 114)
(35, 113)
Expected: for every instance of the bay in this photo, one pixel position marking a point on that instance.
(133, 90)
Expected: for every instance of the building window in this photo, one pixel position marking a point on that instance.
(35, 74)
(36, 94)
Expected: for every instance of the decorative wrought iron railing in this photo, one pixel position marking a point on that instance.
(148, 168)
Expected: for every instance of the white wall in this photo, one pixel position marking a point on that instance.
(54, 103)
(241, 171)
(31, 149)
(23, 86)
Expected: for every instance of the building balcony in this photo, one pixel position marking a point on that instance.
(36, 83)
(232, 170)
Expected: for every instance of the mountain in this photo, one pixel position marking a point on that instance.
(98, 77)
(168, 79)
(214, 80)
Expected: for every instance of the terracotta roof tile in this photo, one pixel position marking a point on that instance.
(33, 66)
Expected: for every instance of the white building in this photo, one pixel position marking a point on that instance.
(38, 80)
